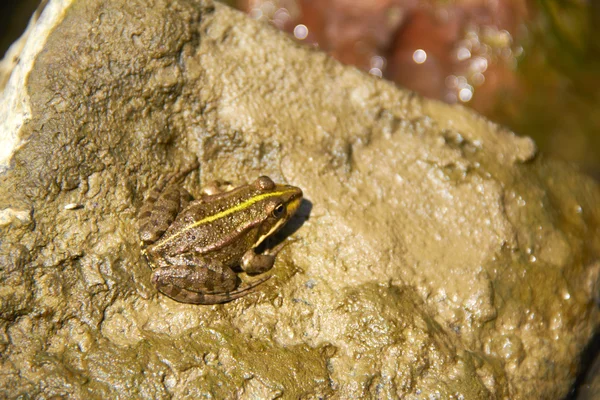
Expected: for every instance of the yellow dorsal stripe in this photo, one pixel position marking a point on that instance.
(224, 213)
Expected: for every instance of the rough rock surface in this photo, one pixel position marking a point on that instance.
(437, 256)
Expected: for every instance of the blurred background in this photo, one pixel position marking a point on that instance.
(533, 66)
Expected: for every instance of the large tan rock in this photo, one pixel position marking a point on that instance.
(437, 256)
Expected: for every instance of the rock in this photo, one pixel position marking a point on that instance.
(436, 256)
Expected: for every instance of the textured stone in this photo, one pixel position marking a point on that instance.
(436, 256)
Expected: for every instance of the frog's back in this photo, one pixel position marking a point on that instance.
(223, 223)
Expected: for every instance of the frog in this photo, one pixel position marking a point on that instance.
(193, 245)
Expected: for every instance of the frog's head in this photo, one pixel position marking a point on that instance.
(277, 203)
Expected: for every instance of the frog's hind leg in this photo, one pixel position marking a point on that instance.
(165, 201)
(188, 280)
(216, 298)
(154, 220)
(187, 296)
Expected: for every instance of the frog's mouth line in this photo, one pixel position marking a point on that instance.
(275, 227)
(291, 208)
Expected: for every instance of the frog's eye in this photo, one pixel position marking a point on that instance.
(278, 211)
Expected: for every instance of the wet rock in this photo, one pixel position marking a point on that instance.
(437, 256)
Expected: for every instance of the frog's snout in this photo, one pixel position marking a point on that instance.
(294, 200)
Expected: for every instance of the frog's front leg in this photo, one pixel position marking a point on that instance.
(254, 264)
(196, 282)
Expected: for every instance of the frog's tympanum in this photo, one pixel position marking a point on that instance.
(192, 245)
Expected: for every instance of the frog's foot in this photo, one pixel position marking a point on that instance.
(172, 179)
(184, 295)
(216, 187)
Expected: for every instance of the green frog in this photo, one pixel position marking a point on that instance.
(193, 244)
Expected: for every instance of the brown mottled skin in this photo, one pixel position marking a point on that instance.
(191, 245)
